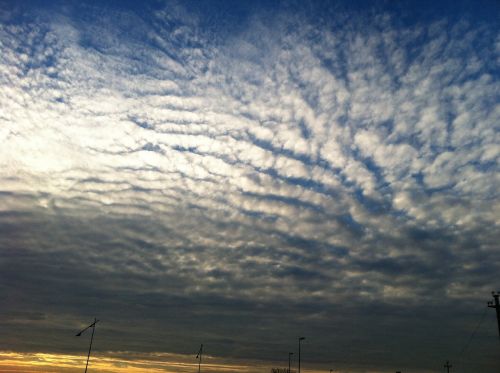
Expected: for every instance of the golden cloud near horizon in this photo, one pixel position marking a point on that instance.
(112, 362)
(130, 362)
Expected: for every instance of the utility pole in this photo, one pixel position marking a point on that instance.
(200, 352)
(300, 339)
(91, 339)
(289, 356)
(496, 305)
(448, 366)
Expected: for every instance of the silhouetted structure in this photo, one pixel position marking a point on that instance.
(198, 356)
(289, 360)
(91, 339)
(448, 366)
(300, 339)
(496, 305)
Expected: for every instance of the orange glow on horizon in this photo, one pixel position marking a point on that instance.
(113, 362)
(133, 362)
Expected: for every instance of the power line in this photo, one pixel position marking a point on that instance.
(473, 334)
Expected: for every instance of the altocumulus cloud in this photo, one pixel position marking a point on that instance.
(240, 179)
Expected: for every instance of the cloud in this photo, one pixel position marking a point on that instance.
(156, 168)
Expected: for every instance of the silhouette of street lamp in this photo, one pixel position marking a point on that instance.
(289, 357)
(200, 352)
(91, 339)
(300, 339)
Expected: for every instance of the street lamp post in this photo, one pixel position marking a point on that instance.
(300, 340)
(91, 339)
(289, 359)
(200, 352)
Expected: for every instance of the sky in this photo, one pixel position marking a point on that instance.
(244, 173)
